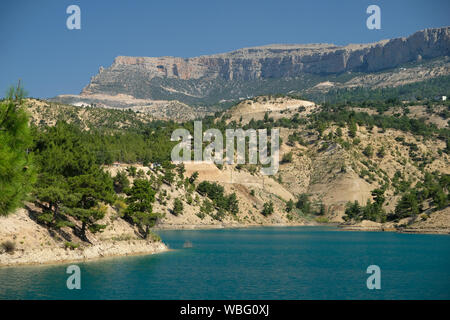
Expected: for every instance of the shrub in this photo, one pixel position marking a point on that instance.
(268, 208)
(368, 151)
(381, 152)
(201, 215)
(287, 158)
(322, 220)
(132, 171)
(177, 206)
(289, 205)
(303, 203)
(70, 245)
(207, 207)
(9, 246)
(121, 182)
(120, 205)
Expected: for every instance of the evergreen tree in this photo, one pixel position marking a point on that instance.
(89, 190)
(181, 170)
(121, 182)
(70, 180)
(353, 211)
(303, 203)
(177, 207)
(140, 206)
(232, 203)
(407, 206)
(193, 177)
(267, 208)
(53, 190)
(289, 205)
(17, 173)
(352, 129)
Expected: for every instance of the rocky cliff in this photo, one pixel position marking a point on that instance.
(242, 71)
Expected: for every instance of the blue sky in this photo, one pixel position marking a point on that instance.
(36, 46)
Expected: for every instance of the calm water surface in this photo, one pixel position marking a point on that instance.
(259, 263)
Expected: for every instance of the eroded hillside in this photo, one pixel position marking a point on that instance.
(330, 156)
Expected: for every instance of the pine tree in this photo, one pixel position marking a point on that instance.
(177, 207)
(89, 190)
(70, 180)
(289, 205)
(232, 203)
(140, 206)
(267, 208)
(121, 182)
(193, 177)
(16, 170)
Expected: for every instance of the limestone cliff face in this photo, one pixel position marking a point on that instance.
(268, 62)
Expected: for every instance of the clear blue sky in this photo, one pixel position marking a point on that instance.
(37, 47)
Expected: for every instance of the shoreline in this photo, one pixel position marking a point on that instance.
(381, 228)
(173, 227)
(59, 255)
(111, 249)
(339, 226)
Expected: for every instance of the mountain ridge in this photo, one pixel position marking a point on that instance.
(221, 79)
(278, 61)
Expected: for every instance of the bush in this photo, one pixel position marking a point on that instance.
(177, 207)
(303, 203)
(289, 205)
(71, 245)
(207, 207)
(9, 246)
(268, 208)
(368, 151)
(120, 205)
(132, 171)
(16, 174)
(287, 158)
(215, 192)
(381, 152)
(121, 182)
(322, 220)
(201, 215)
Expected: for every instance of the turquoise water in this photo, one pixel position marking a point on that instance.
(259, 263)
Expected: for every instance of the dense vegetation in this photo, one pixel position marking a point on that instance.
(216, 193)
(427, 89)
(60, 166)
(16, 170)
(335, 114)
(425, 197)
(433, 192)
(70, 179)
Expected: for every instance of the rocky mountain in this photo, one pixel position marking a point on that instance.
(270, 69)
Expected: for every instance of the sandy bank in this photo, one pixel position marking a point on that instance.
(62, 255)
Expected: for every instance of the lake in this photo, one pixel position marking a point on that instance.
(254, 263)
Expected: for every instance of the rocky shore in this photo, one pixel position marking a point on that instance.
(24, 241)
(31, 243)
(436, 223)
(62, 255)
